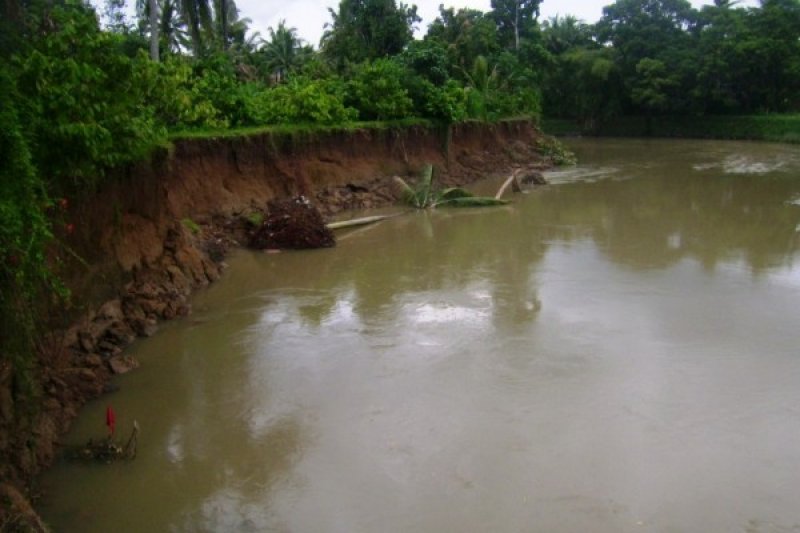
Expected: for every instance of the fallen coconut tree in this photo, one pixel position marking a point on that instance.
(425, 196)
(363, 221)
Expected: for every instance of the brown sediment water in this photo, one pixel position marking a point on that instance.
(618, 351)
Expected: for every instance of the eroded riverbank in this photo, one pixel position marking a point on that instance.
(162, 230)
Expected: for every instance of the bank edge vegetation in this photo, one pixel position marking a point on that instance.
(80, 98)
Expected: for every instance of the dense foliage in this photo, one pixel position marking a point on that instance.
(24, 233)
(651, 57)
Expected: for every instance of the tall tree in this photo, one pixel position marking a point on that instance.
(283, 51)
(238, 37)
(197, 16)
(652, 88)
(161, 23)
(154, 27)
(515, 18)
(655, 29)
(720, 63)
(222, 14)
(368, 29)
(466, 34)
(776, 41)
(171, 28)
(560, 34)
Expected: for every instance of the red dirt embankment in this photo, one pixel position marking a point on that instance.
(161, 229)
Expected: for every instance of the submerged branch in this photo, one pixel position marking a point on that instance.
(359, 221)
(512, 180)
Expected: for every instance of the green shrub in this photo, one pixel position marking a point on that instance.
(301, 100)
(85, 103)
(377, 91)
(555, 150)
(216, 80)
(178, 100)
(447, 103)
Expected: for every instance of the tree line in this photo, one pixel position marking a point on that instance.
(652, 57)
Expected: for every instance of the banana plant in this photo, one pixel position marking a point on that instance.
(424, 196)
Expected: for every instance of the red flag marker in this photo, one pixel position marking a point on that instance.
(111, 420)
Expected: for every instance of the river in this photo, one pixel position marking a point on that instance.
(617, 351)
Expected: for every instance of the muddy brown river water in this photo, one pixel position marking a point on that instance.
(618, 351)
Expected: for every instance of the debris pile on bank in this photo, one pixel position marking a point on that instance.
(292, 224)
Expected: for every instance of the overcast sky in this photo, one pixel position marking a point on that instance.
(309, 16)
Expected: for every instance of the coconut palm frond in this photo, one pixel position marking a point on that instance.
(424, 196)
(453, 193)
(407, 193)
(474, 201)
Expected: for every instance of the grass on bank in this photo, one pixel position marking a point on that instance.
(776, 128)
(295, 129)
(311, 128)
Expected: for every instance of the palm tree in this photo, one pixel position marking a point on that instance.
(147, 13)
(284, 51)
(563, 33)
(197, 16)
(224, 10)
(205, 26)
(153, 4)
(232, 30)
(172, 29)
(481, 83)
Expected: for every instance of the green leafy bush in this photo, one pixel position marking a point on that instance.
(85, 103)
(377, 91)
(428, 60)
(178, 100)
(301, 100)
(216, 80)
(446, 103)
(555, 150)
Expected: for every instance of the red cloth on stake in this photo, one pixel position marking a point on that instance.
(111, 420)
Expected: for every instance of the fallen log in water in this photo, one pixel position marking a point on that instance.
(520, 177)
(359, 221)
(512, 180)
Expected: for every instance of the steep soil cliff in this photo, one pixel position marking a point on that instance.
(160, 230)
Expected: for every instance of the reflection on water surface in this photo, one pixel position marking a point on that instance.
(615, 352)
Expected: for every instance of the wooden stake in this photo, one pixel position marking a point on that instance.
(130, 447)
